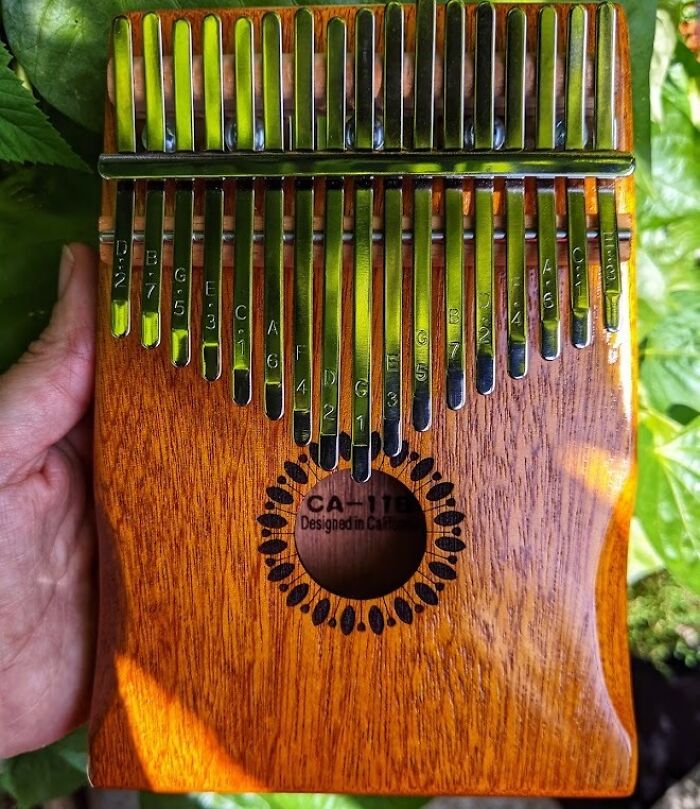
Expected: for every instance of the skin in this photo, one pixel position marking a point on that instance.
(47, 525)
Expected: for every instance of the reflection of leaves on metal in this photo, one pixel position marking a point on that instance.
(435, 563)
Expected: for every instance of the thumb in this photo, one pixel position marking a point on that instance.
(46, 393)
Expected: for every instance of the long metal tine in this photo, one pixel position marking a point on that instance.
(484, 59)
(125, 126)
(516, 35)
(362, 268)
(213, 198)
(303, 136)
(550, 340)
(274, 220)
(423, 127)
(336, 57)
(244, 76)
(180, 312)
(575, 194)
(606, 76)
(155, 190)
(453, 138)
(392, 392)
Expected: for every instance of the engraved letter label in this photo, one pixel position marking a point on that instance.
(210, 300)
(179, 302)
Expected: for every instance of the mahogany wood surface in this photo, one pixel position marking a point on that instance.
(515, 682)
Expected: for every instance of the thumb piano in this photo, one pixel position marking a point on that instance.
(365, 408)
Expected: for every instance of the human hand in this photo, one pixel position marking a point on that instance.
(47, 524)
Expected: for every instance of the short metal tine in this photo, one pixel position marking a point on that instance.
(550, 340)
(244, 61)
(423, 130)
(360, 459)
(181, 305)
(392, 393)
(605, 138)
(516, 280)
(213, 198)
(484, 66)
(575, 193)
(125, 133)
(336, 58)
(155, 190)
(273, 260)
(303, 137)
(453, 138)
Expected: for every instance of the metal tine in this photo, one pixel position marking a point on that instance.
(362, 269)
(336, 57)
(516, 39)
(273, 244)
(125, 133)
(606, 73)
(484, 63)
(155, 190)
(575, 192)
(392, 393)
(244, 78)
(213, 198)
(453, 138)
(546, 199)
(303, 137)
(423, 126)
(180, 345)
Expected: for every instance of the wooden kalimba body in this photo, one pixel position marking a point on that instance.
(363, 502)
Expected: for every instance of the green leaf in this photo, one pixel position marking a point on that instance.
(52, 772)
(669, 211)
(641, 17)
(668, 497)
(40, 210)
(249, 800)
(26, 134)
(670, 369)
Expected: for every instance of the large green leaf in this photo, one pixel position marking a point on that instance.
(669, 211)
(40, 210)
(37, 777)
(276, 800)
(668, 497)
(26, 134)
(670, 357)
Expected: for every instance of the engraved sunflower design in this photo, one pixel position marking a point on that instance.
(393, 588)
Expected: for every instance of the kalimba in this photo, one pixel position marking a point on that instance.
(365, 407)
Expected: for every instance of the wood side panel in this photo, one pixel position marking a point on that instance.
(517, 682)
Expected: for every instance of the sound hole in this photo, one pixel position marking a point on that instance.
(360, 540)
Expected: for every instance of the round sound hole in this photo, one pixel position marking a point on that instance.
(360, 540)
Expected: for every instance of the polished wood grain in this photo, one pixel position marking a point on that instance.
(516, 682)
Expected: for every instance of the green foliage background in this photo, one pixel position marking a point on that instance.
(52, 78)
